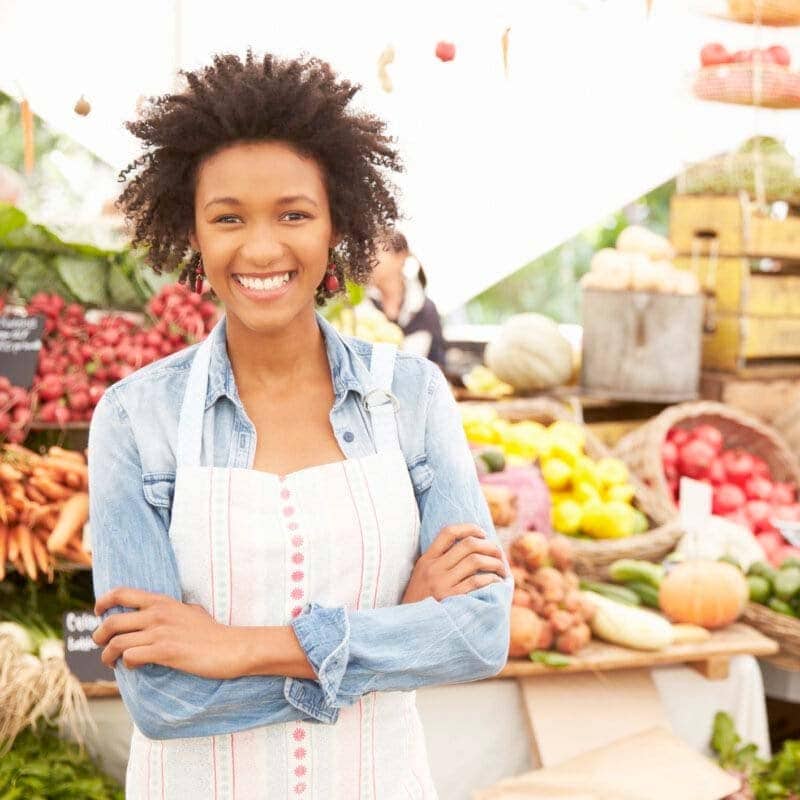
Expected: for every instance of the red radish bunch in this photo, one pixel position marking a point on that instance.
(15, 411)
(744, 489)
(80, 359)
(715, 54)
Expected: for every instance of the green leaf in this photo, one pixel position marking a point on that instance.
(122, 291)
(85, 278)
(11, 218)
(35, 274)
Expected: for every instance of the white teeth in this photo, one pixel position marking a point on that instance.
(264, 284)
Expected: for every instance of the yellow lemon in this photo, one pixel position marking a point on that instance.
(481, 433)
(612, 471)
(566, 517)
(557, 474)
(563, 429)
(584, 492)
(623, 492)
(585, 471)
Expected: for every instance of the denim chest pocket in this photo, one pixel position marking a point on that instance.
(421, 474)
(159, 490)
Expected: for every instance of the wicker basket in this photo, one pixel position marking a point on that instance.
(766, 85)
(783, 629)
(641, 449)
(788, 425)
(592, 558)
(767, 12)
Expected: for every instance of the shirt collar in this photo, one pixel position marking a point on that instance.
(348, 370)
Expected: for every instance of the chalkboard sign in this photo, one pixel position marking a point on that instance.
(20, 343)
(83, 655)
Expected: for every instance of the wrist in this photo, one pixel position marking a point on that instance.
(269, 651)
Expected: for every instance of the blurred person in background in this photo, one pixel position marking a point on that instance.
(397, 288)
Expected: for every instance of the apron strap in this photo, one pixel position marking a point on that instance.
(379, 401)
(193, 407)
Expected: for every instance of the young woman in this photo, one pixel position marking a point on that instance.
(289, 536)
(397, 288)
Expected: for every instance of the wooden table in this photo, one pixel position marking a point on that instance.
(711, 658)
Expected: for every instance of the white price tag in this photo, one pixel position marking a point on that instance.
(695, 505)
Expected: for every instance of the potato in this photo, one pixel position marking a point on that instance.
(522, 598)
(563, 620)
(571, 580)
(587, 609)
(521, 576)
(530, 550)
(537, 601)
(546, 637)
(572, 600)
(526, 628)
(550, 582)
(574, 639)
(561, 553)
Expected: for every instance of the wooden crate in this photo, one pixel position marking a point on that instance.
(630, 342)
(730, 226)
(765, 392)
(738, 341)
(729, 282)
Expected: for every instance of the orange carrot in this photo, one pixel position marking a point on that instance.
(26, 550)
(51, 489)
(71, 520)
(60, 452)
(35, 495)
(3, 551)
(8, 473)
(13, 545)
(41, 555)
(77, 555)
(3, 509)
(26, 118)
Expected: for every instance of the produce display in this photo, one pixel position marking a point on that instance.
(42, 766)
(641, 262)
(715, 54)
(744, 489)
(530, 354)
(549, 611)
(367, 322)
(776, 588)
(481, 381)
(777, 778)
(44, 506)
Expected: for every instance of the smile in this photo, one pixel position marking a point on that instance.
(267, 284)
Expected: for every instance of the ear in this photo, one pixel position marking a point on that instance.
(336, 240)
(193, 241)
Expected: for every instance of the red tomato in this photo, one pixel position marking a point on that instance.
(445, 51)
(713, 54)
(780, 55)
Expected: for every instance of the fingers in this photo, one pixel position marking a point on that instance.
(127, 598)
(135, 657)
(449, 535)
(119, 624)
(121, 644)
(473, 583)
(475, 563)
(468, 546)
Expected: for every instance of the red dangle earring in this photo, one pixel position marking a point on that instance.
(331, 281)
(199, 275)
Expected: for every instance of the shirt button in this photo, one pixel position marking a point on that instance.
(348, 436)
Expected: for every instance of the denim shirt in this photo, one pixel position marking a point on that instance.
(132, 459)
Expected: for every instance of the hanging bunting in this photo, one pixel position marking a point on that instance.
(504, 43)
(26, 116)
(386, 58)
(82, 107)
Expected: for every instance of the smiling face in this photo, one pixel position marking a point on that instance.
(263, 226)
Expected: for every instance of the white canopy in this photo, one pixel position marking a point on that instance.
(595, 111)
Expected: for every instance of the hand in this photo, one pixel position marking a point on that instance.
(164, 631)
(459, 560)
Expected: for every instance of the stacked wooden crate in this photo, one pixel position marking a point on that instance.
(751, 318)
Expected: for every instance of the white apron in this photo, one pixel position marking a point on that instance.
(253, 548)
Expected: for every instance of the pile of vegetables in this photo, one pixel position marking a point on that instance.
(36, 685)
(744, 489)
(42, 766)
(548, 612)
(81, 358)
(698, 592)
(641, 262)
(776, 588)
(44, 506)
(715, 54)
(775, 779)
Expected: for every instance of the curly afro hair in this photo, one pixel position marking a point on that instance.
(300, 102)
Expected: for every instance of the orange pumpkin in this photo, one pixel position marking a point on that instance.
(712, 594)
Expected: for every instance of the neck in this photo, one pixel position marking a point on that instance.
(279, 360)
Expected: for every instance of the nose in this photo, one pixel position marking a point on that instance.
(262, 246)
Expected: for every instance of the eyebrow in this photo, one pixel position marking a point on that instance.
(281, 201)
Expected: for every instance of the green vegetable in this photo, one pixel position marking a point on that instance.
(646, 592)
(760, 589)
(612, 592)
(494, 458)
(787, 582)
(550, 658)
(627, 569)
(763, 569)
(726, 559)
(781, 606)
(40, 766)
(792, 561)
(776, 779)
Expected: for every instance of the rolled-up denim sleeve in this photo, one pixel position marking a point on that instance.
(131, 548)
(458, 639)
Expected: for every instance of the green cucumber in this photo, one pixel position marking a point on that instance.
(627, 569)
(613, 592)
(792, 561)
(494, 458)
(760, 589)
(763, 569)
(781, 607)
(550, 658)
(787, 582)
(646, 592)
